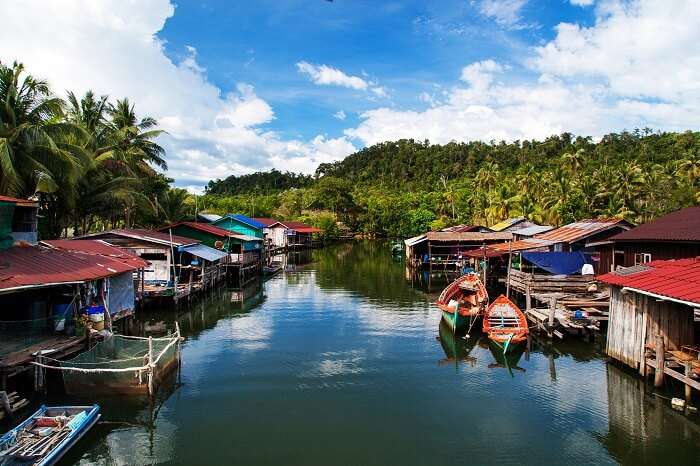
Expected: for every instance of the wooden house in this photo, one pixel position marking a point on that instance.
(44, 290)
(179, 266)
(673, 236)
(440, 249)
(291, 235)
(241, 224)
(653, 318)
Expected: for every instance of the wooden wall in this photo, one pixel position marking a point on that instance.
(658, 251)
(636, 319)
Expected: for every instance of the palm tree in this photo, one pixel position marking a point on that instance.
(35, 144)
(132, 139)
(173, 205)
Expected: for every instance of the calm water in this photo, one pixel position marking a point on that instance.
(342, 362)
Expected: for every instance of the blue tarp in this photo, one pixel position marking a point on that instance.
(558, 263)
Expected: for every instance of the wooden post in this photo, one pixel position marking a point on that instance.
(528, 299)
(552, 309)
(172, 257)
(430, 257)
(5, 402)
(660, 355)
(688, 388)
(150, 365)
(510, 264)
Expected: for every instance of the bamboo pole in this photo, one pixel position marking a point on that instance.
(150, 365)
(172, 257)
(510, 263)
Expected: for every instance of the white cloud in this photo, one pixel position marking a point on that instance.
(325, 75)
(111, 47)
(637, 66)
(505, 12)
(582, 2)
(328, 76)
(340, 115)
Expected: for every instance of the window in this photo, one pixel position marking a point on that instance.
(642, 258)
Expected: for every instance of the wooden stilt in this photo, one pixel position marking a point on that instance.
(688, 388)
(660, 365)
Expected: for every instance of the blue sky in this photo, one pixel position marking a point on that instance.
(242, 86)
(408, 47)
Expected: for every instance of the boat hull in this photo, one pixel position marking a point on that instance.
(455, 321)
(506, 344)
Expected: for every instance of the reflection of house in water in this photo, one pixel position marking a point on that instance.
(249, 297)
(643, 428)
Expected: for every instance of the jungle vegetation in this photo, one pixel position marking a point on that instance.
(90, 161)
(406, 187)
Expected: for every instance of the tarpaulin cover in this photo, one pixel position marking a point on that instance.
(558, 263)
(121, 293)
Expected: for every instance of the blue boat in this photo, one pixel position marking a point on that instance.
(44, 437)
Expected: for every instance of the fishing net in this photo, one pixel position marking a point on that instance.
(120, 364)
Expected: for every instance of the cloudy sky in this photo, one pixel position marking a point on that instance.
(242, 86)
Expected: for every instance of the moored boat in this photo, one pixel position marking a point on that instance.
(505, 324)
(44, 437)
(272, 269)
(462, 301)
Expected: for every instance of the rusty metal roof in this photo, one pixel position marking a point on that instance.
(20, 202)
(37, 266)
(146, 235)
(297, 226)
(681, 225)
(582, 229)
(98, 247)
(676, 279)
(205, 227)
(265, 221)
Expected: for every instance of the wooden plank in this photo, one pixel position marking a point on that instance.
(676, 375)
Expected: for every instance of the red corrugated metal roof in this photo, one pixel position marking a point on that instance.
(265, 221)
(297, 226)
(677, 279)
(97, 247)
(682, 225)
(39, 266)
(146, 235)
(205, 227)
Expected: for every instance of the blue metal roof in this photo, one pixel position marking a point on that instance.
(205, 252)
(247, 220)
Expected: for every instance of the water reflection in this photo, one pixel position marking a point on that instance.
(335, 363)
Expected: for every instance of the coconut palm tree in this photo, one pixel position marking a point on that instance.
(35, 144)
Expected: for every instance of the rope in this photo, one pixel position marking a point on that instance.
(173, 341)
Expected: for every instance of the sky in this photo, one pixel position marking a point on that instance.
(243, 86)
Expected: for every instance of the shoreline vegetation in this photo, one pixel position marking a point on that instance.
(93, 164)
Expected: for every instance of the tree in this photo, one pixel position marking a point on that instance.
(35, 143)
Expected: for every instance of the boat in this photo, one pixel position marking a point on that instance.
(505, 324)
(463, 301)
(456, 348)
(44, 437)
(272, 269)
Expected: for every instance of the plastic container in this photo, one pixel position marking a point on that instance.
(60, 316)
(99, 309)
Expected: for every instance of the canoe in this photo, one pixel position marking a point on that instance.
(272, 269)
(462, 301)
(44, 437)
(505, 324)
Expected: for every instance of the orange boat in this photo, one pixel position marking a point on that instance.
(505, 324)
(462, 301)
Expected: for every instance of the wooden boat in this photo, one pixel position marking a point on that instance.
(462, 301)
(272, 269)
(44, 437)
(505, 324)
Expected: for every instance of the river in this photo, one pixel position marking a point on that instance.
(342, 362)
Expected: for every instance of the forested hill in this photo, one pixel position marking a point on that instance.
(407, 164)
(405, 187)
(259, 182)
